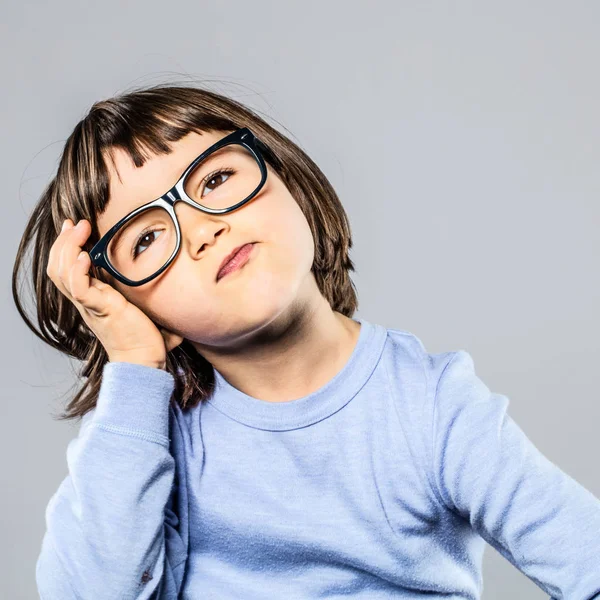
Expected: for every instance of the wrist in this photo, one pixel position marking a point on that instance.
(140, 360)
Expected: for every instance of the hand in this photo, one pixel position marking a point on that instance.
(126, 333)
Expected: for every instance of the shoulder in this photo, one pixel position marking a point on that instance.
(434, 386)
(408, 360)
(413, 374)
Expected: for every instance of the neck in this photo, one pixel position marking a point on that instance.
(289, 357)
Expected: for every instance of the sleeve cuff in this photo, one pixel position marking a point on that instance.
(135, 396)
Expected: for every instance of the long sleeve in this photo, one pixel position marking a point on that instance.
(487, 470)
(111, 531)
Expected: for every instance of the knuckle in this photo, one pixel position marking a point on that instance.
(62, 274)
(50, 264)
(53, 277)
(78, 297)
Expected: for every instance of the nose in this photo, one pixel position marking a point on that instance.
(197, 227)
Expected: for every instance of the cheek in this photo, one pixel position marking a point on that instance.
(183, 307)
(170, 300)
(286, 260)
(286, 229)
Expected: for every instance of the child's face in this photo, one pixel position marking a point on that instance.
(186, 298)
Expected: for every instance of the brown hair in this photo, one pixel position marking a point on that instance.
(150, 118)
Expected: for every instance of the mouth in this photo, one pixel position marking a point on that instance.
(235, 260)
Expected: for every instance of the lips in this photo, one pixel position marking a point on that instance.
(230, 257)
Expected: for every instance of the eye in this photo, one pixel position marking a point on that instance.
(215, 176)
(141, 237)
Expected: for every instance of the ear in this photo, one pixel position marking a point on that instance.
(172, 340)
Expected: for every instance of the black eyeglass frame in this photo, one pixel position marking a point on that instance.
(243, 137)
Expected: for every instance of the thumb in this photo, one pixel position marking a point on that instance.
(172, 340)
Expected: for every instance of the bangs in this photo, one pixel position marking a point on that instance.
(142, 125)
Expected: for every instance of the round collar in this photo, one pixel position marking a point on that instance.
(293, 414)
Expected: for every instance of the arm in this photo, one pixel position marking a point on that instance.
(486, 469)
(111, 532)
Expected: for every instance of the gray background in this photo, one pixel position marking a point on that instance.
(463, 139)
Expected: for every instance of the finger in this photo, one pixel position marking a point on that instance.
(84, 288)
(172, 340)
(56, 246)
(54, 256)
(71, 247)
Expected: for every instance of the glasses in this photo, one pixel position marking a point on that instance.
(145, 242)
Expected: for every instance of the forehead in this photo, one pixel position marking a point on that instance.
(131, 186)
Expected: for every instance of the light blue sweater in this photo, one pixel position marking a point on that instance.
(384, 483)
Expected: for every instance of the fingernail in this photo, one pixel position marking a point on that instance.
(64, 225)
(78, 226)
(81, 255)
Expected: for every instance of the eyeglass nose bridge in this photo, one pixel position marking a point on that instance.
(178, 194)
